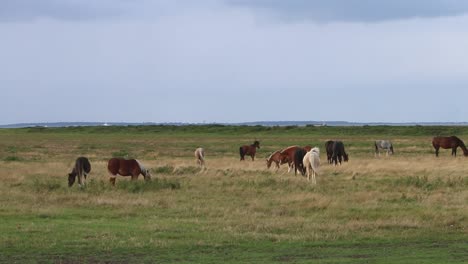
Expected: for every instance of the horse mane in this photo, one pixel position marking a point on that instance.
(462, 145)
(271, 155)
(142, 168)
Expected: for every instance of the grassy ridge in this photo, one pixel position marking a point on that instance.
(410, 207)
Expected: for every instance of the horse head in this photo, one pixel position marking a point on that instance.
(346, 158)
(71, 179)
(147, 175)
(256, 144)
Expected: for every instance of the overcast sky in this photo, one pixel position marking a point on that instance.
(233, 60)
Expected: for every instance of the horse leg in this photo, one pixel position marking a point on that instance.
(80, 180)
(437, 151)
(112, 179)
(253, 157)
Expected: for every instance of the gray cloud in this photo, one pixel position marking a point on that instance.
(18, 10)
(24, 10)
(356, 10)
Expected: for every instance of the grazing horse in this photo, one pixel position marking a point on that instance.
(452, 142)
(276, 158)
(329, 149)
(200, 156)
(288, 154)
(299, 160)
(339, 153)
(249, 150)
(125, 167)
(384, 145)
(81, 169)
(311, 163)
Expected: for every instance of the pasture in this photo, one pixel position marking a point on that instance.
(410, 207)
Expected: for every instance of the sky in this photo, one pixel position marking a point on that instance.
(233, 60)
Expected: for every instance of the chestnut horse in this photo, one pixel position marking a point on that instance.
(277, 158)
(449, 142)
(249, 150)
(125, 167)
(81, 169)
(288, 155)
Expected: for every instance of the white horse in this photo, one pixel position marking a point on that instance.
(384, 145)
(311, 163)
(200, 156)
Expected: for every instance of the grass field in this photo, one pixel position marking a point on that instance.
(407, 208)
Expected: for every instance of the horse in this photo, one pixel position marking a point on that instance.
(249, 150)
(287, 155)
(452, 142)
(339, 153)
(123, 167)
(329, 149)
(298, 160)
(200, 156)
(311, 162)
(81, 169)
(384, 145)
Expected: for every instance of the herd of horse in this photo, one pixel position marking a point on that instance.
(305, 159)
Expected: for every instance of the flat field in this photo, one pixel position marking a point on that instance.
(407, 208)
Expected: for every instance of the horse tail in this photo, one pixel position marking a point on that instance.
(315, 161)
(241, 152)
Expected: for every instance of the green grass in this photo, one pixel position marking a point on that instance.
(409, 208)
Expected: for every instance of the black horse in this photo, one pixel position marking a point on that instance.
(81, 169)
(298, 161)
(329, 149)
(339, 153)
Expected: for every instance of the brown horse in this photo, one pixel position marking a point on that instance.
(81, 169)
(277, 158)
(449, 142)
(288, 155)
(125, 167)
(249, 150)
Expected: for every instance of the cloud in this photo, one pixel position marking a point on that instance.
(355, 10)
(86, 10)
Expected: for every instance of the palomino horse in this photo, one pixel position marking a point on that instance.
(311, 162)
(249, 150)
(288, 155)
(277, 158)
(125, 167)
(338, 153)
(383, 145)
(449, 142)
(81, 169)
(200, 156)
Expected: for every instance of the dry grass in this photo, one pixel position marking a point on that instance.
(367, 196)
